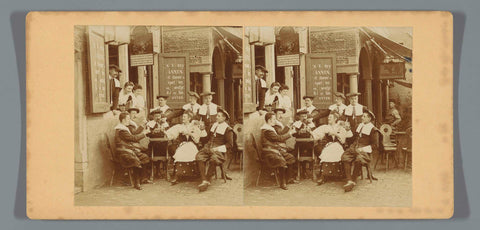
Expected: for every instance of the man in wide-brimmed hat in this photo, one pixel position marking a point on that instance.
(208, 110)
(361, 150)
(260, 86)
(354, 111)
(303, 129)
(220, 142)
(163, 107)
(115, 87)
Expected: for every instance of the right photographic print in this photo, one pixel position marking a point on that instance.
(328, 116)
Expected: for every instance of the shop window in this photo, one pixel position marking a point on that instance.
(343, 83)
(113, 54)
(196, 83)
(260, 55)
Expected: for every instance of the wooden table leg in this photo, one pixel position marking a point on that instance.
(297, 149)
(151, 176)
(314, 176)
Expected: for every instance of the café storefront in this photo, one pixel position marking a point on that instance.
(163, 60)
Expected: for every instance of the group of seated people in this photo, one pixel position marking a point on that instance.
(348, 136)
(203, 136)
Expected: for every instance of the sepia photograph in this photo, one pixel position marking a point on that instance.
(328, 116)
(239, 115)
(158, 115)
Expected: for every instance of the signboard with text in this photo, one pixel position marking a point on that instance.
(174, 75)
(321, 79)
(141, 50)
(392, 70)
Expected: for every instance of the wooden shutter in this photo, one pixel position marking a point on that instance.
(98, 84)
(249, 89)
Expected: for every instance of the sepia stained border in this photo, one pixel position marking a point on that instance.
(49, 46)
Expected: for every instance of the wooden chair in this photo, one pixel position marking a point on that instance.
(368, 166)
(238, 152)
(407, 150)
(262, 163)
(224, 176)
(117, 167)
(387, 146)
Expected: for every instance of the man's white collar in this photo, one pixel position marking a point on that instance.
(267, 127)
(365, 128)
(121, 126)
(203, 109)
(219, 128)
(358, 110)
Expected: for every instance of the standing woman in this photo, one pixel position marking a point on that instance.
(185, 138)
(128, 151)
(126, 96)
(393, 115)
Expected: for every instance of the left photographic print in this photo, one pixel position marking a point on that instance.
(158, 115)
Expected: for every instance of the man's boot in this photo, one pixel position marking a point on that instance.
(348, 174)
(174, 180)
(290, 175)
(137, 178)
(283, 183)
(204, 185)
(211, 171)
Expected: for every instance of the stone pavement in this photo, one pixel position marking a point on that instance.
(161, 193)
(393, 189)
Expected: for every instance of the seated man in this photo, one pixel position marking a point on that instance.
(157, 128)
(221, 141)
(360, 151)
(275, 152)
(127, 150)
(303, 129)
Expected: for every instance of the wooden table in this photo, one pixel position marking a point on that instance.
(299, 158)
(159, 139)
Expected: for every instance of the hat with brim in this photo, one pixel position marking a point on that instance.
(193, 94)
(338, 94)
(366, 110)
(113, 66)
(162, 96)
(221, 110)
(308, 96)
(353, 94)
(207, 93)
(157, 111)
(279, 109)
(301, 112)
(261, 68)
(133, 109)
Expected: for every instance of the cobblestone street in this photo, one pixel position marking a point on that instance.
(393, 189)
(161, 193)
